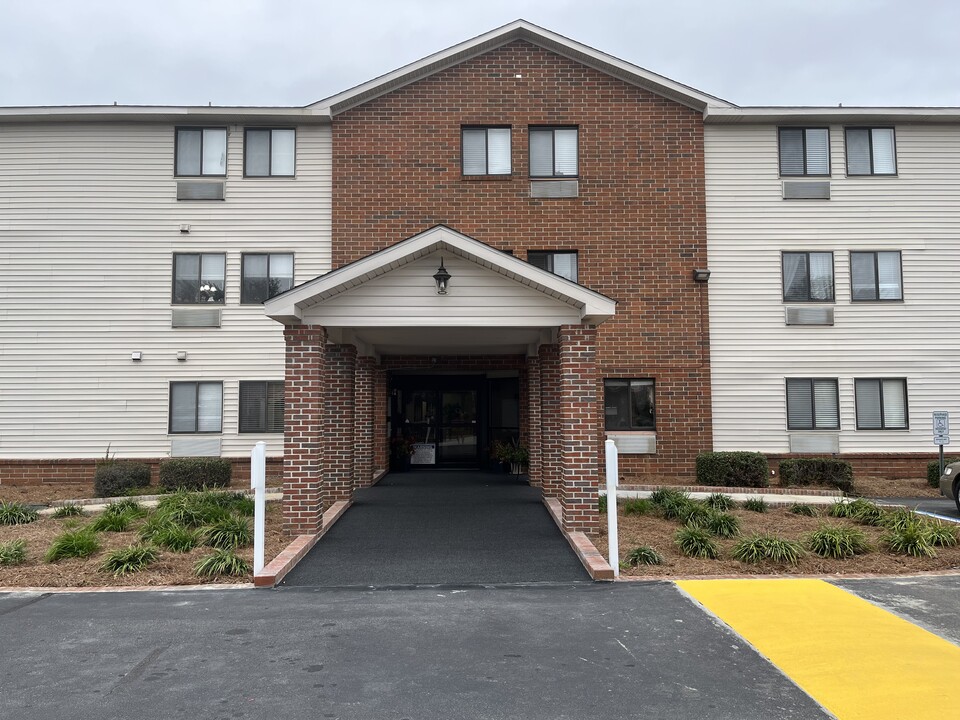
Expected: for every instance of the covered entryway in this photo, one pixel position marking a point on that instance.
(379, 356)
(451, 527)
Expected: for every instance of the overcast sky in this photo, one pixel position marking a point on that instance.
(294, 52)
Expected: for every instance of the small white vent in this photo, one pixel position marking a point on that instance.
(554, 188)
(200, 190)
(195, 447)
(195, 318)
(634, 444)
(809, 315)
(819, 442)
(806, 190)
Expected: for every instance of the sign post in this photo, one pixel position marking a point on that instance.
(258, 483)
(941, 432)
(613, 473)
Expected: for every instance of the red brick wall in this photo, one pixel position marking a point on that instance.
(338, 416)
(579, 423)
(639, 223)
(81, 470)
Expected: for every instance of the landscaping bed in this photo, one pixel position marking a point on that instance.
(652, 529)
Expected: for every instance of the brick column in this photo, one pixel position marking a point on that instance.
(533, 420)
(580, 427)
(363, 461)
(339, 444)
(303, 405)
(550, 428)
(381, 450)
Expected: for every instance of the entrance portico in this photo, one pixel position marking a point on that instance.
(350, 330)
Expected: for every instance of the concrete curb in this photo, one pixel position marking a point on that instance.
(288, 558)
(738, 494)
(595, 564)
(99, 504)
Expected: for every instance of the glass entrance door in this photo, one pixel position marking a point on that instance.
(457, 434)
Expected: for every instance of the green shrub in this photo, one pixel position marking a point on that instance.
(195, 473)
(841, 509)
(244, 505)
(111, 522)
(803, 509)
(68, 510)
(602, 504)
(757, 504)
(912, 539)
(192, 509)
(760, 548)
(643, 555)
(732, 469)
(129, 560)
(664, 495)
(221, 562)
(695, 514)
(116, 477)
(13, 552)
(15, 513)
(696, 543)
(817, 471)
(128, 507)
(933, 470)
(831, 541)
(899, 518)
(73, 544)
(719, 502)
(155, 523)
(176, 538)
(723, 525)
(230, 532)
(865, 512)
(940, 534)
(636, 506)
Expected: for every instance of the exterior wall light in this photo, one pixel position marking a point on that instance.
(136, 356)
(181, 355)
(442, 277)
(701, 275)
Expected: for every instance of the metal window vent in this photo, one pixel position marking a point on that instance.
(806, 190)
(628, 444)
(195, 318)
(200, 189)
(195, 447)
(554, 188)
(809, 315)
(815, 442)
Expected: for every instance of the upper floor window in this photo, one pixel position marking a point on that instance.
(563, 264)
(871, 151)
(804, 151)
(269, 152)
(808, 277)
(198, 277)
(554, 152)
(813, 404)
(201, 151)
(265, 275)
(485, 150)
(876, 276)
(628, 405)
(261, 406)
(881, 404)
(196, 407)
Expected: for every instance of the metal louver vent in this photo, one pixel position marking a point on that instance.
(809, 315)
(628, 444)
(195, 318)
(200, 190)
(806, 190)
(554, 188)
(195, 447)
(815, 442)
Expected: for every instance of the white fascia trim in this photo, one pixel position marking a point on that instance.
(143, 113)
(517, 30)
(288, 307)
(732, 115)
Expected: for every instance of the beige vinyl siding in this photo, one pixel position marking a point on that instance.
(89, 223)
(749, 225)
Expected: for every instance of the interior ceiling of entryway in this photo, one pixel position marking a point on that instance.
(448, 340)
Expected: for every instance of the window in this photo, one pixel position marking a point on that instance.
(812, 404)
(196, 407)
(264, 276)
(807, 277)
(871, 151)
(485, 151)
(201, 151)
(563, 264)
(628, 404)
(269, 153)
(553, 152)
(198, 278)
(881, 404)
(261, 406)
(875, 276)
(804, 151)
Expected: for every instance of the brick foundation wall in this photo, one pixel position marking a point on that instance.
(81, 470)
(887, 465)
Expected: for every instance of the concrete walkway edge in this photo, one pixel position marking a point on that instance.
(594, 563)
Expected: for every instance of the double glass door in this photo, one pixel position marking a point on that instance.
(442, 422)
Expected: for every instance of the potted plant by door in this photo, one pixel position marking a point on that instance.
(401, 448)
(512, 454)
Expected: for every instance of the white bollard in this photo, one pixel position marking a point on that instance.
(258, 483)
(613, 536)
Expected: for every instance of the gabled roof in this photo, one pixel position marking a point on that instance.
(517, 30)
(288, 307)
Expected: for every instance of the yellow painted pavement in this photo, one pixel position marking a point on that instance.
(855, 659)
